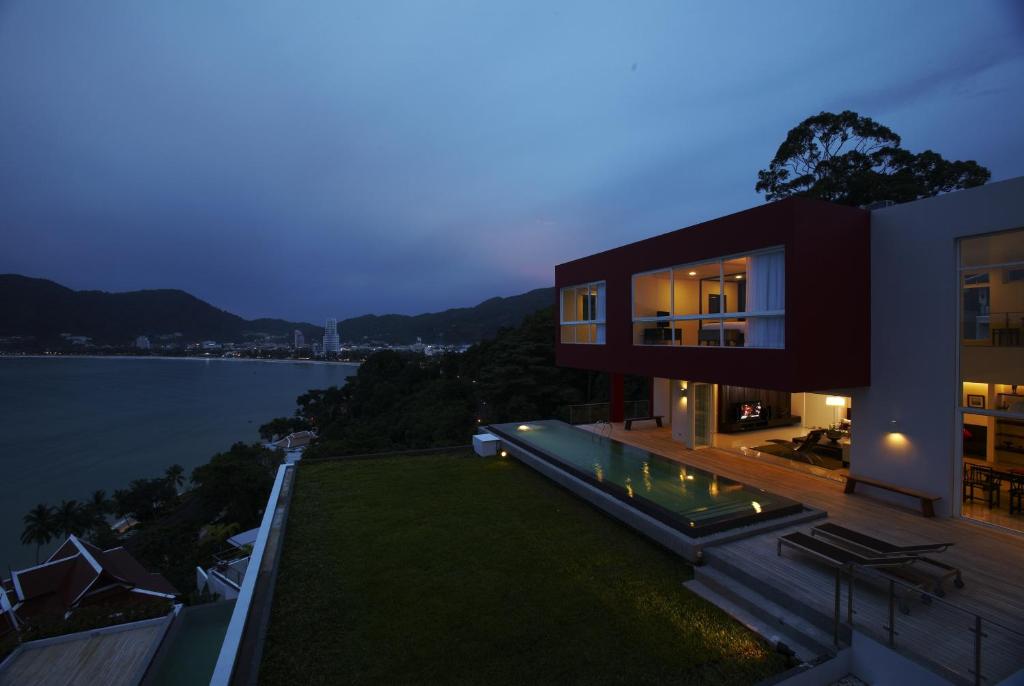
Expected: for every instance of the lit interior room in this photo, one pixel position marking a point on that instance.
(992, 378)
(808, 431)
(733, 301)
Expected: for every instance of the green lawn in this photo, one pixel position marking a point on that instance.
(456, 569)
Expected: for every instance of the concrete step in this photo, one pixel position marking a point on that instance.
(777, 596)
(776, 623)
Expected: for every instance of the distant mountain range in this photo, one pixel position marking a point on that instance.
(43, 310)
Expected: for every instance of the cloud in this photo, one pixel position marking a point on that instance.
(336, 159)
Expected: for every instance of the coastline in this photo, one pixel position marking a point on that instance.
(4, 356)
(69, 434)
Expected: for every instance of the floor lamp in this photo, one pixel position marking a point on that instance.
(835, 402)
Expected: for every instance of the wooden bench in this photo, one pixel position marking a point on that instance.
(653, 418)
(927, 499)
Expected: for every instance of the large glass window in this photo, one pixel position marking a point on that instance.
(992, 290)
(582, 313)
(991, 403)
(735, 301)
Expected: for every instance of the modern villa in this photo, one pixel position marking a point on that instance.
(834, 440)
(883, 343)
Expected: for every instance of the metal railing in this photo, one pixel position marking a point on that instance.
(969, 647)
(996, 329)
(591, 413)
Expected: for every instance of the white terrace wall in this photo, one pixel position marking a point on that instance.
(914, 338)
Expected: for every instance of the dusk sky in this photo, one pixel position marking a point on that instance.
(314, 159)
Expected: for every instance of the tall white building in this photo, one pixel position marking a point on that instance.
(332, 342)
(300, 340)
(142, 343)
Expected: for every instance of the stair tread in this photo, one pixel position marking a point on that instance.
(805, 648)
(767, 608)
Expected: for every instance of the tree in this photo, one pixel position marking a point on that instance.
(144, 498)
(40, 527)
(175, 476)
(282, 426)
(99, 503)
(234, 486)
(69, 518)
(849, 159)
(95, 511)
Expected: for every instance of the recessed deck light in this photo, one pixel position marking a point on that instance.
(692, 273)
(522, 427)
(739, 276)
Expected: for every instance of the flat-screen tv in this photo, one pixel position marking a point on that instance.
(751, 409)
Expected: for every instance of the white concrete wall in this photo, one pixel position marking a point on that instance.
(817, 413)
(879, 665)
(681, 422)
(914, 338)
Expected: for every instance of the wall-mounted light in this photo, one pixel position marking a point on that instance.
(682, 386)
(893, 427)
(739, 276)
(504, 453)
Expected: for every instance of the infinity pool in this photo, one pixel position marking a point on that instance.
(691, 500)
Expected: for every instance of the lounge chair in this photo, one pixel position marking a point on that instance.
(878, 547)
(835, 556)
(839, 557)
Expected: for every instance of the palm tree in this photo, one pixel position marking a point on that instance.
(40, 527)
(121, 502)
(175, 475)
(99, 502)
(96, 510)
(69, 518)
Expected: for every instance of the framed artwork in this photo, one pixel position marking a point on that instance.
(976, 401)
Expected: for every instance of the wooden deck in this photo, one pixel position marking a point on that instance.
(113, 659)
(992, 562)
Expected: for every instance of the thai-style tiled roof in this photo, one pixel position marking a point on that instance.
(76, 571)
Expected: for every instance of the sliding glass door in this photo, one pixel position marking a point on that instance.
(703, 415)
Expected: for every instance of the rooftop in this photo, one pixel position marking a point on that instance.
(451, 567)
(112, 656)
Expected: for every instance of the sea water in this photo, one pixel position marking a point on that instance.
(72, 425)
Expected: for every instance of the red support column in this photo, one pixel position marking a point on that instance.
(617, 398)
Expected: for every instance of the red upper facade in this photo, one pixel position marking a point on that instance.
(827, 300)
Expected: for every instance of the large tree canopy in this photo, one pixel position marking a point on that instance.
(853, 160)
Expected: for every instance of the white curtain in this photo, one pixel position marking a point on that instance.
(766, 291)
(600, 312)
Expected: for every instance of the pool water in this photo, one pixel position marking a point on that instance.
(694, 501)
